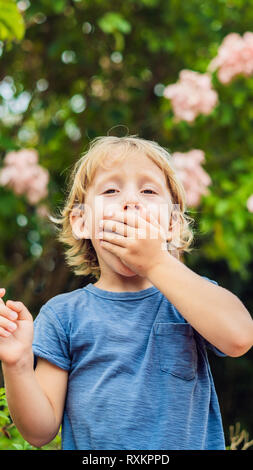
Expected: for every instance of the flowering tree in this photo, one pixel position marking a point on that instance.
(193, 95)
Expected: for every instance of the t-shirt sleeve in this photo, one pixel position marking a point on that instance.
(207, 344)
(50, 339)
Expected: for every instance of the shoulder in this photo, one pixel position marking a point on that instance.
(64, 300)
(62, 307)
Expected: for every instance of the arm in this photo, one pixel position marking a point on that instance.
(216, 313)
(36, 399)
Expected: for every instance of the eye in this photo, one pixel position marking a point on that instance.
(109, 190)
(106, 192)
(149, 190)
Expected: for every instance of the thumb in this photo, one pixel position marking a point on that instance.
(20, 308)
(2, 293)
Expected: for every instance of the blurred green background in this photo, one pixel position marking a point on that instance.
(71, 70)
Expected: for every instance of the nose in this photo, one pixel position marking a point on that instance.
(132, 206)
(131, 200)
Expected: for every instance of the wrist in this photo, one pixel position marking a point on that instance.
(19, 366)
(164, 260)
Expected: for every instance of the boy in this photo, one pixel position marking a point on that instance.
(122, 363)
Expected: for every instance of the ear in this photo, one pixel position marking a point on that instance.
(78, 223)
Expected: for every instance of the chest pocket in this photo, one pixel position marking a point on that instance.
(176, 349)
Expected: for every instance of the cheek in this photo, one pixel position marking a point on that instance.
(94, 209)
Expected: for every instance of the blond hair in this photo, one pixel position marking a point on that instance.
(80, 254)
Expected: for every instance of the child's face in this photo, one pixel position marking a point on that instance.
(125, 186)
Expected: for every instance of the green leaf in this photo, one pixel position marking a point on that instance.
(226, 115)
(150, 3)
(4, 419)
(11, 21)
(59, 5)
(222, 207)
(238, 220)
(18, 446)
(111, 22)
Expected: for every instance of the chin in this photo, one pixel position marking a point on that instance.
(119, 267)
(122, 269)
(128, 273)
(125, 271)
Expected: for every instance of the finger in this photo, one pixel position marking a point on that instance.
(8, 312)
(148, 216)
(114, 249)
(133, 219)
(4, 333)
(125, 231)
(112, 238)
(20, 308)
(5, 324)
(130, 218)
(153, 228)
(152, 225)
(116, 227)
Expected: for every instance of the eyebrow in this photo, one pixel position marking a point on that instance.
(117, 177)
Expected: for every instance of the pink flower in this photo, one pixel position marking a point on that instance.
(194, 179)
(42, 211)
(24, 176)
(191, 95)
(25, 157)
(250, 203)
(235, 56)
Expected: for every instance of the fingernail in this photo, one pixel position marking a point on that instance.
(13, 316)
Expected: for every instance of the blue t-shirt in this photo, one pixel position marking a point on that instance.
(139, 377)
